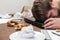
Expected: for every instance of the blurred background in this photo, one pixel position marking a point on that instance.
(12, 6)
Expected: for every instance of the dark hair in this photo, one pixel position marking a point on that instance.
(40, 8)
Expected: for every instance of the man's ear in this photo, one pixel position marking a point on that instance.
(50, 4)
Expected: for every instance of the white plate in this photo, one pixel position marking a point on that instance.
(38, 36)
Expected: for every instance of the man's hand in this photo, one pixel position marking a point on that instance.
(52, 23)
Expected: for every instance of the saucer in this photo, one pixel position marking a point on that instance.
(37, 36)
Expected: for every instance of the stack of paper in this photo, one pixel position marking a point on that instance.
(53, 36)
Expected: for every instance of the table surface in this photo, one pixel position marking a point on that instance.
(5, 31)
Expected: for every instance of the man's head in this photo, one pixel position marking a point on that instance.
(40, 9)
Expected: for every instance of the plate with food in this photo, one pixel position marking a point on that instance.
(27, 33)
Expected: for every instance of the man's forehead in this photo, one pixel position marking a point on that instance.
(56, 0)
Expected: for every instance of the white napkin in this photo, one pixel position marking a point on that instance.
(4, 20)
(18, 15)
(4, 16)
(27, 32)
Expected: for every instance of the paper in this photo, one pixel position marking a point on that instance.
(47, 36)
(53, 36)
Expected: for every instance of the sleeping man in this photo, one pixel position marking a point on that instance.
(47, 12)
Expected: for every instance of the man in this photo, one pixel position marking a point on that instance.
(53, 22)
(45, 9)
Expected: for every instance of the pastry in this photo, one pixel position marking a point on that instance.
(9, 24)
(57, 30)
(19, 27)
(12, 23)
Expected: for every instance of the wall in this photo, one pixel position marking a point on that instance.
(7, 6)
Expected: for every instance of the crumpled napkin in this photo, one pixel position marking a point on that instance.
(27, 32)
(4, 20)
(18, 15)
(5, 16)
